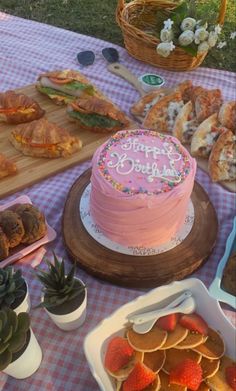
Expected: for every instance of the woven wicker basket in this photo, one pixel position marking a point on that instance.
(142, 45)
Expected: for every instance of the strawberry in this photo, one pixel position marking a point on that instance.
(140, 377)
(187, 373)
(230, 374)
(194, 322)
(168, 322)
(118, 354)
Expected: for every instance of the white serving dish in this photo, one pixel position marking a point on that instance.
(215, 287)
(96, 341)
(22, 250)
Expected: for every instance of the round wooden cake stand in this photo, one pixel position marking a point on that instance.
(139, 271)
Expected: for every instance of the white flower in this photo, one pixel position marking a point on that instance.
(200, 35)
(186, 38)
(188, 24)
(164, 48)
(166, 35)
(221, 45)
(218, 29)
(203, 47)
(212, 39)
(233, 35)
(168, 24)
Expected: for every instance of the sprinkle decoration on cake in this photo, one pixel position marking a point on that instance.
(141, 186)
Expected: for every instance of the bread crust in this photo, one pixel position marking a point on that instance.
(42, 138)
(18, 108)
(181, 119)
(157, 117)
(207, 103)
(227, 115)
(219, 167)
(199, 141)
(7, 167)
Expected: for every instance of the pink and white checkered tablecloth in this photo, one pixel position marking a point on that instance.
(28, 48)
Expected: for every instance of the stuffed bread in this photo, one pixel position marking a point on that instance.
(97, 115)
(44, 139)
(227, 115)
(65, 86)
(18, 108)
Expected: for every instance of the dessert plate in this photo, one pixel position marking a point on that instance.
(21, 250)
(95, 232)
(139, 271)
(96, 341)
(215, 287)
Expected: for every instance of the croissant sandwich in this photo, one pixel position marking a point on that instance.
(65, 86)
(44, 139)
(18, 108)
(97, 115)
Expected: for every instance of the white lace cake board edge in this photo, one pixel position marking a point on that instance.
(96, 234)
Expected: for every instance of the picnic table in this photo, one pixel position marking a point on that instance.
(27, 49)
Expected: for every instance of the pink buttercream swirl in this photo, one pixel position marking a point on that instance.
(141, 186)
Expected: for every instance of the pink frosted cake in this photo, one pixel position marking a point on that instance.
(141, 186)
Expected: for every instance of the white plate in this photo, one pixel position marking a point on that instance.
(21, 251)
(215, 287)
(96, 341)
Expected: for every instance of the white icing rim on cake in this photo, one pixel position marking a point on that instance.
(96, 234)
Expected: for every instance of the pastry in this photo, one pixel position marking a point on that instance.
(63, 86)
(11, 224)
(222, 160)
(205, 136)
(4, 245)
(229, 275)
(185, 124)
(227, 115)
(141, 184)
(161, 117)
(144, 104)
(44, 139)
(97, 115)
(33, 221)
(207, 103)
(6, 167)
(18, 108)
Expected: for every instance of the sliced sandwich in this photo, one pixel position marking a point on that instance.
(65, 86)
(185, 124)
(18, 108)
(44, 139)
(97, 115)
(227, 115)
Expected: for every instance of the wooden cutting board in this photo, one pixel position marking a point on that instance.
(32, 170)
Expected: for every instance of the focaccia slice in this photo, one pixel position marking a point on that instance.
(207, 103)
(44, 139)
(222, 160)
(205, 136)
(161, 117)
(185, 124)
(97, 115)
(7, 167)
(66, 85)
(227, 115)
(18, 108)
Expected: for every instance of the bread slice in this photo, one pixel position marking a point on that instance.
(7, 167)
(185, 124)
(222, 160)
(207, 103)
(227, 115)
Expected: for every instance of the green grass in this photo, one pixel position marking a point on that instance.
(97, 18)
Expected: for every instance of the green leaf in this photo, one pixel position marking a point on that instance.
(5, 359)
(7, 333)
(12, 287)
(17, 342)
(12, 320)
(190, 50)
(3, 346)
(10, 299)
(23, 322)
(3, 317)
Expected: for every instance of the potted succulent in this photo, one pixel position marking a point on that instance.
(20, 353)
(64, 295)
(13, 290)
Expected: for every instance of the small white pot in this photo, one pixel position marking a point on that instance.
(26, 304)
(74, 319)
(28, 362)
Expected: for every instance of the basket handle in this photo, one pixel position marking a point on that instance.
(222, 12)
